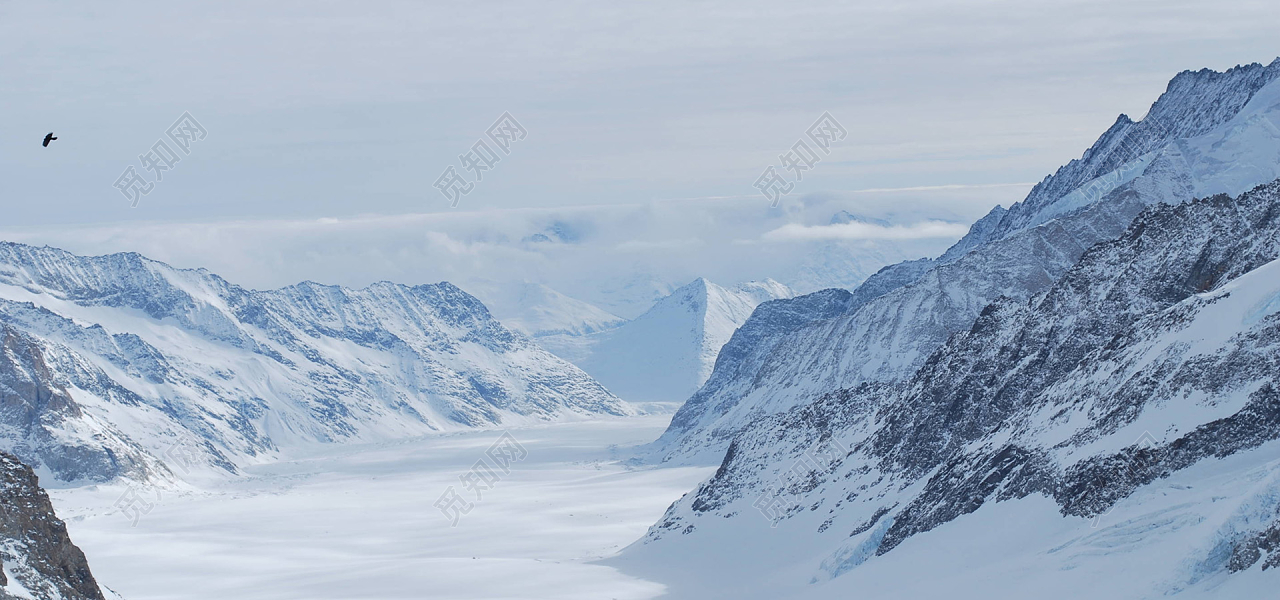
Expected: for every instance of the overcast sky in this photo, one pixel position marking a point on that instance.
(321, 110)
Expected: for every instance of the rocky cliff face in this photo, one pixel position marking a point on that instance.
(42, 420)
(38, 557)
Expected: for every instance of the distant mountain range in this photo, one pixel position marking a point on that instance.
(539, 311)
(113, 361)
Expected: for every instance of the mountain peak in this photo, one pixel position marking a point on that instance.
(901, 315)
(699, 283)
(668, 352)
(1194, 104)
(1138, 392)
(1191, 77)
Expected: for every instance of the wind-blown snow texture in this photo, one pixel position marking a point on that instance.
(112, 361)
(1209, 133)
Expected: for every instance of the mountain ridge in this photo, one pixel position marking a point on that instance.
(1153, 359)
(239, 375)
(900, 315)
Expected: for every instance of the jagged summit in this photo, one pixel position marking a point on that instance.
(1191, 77)
(1194, 103)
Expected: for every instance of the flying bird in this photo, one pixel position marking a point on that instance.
(48, 138)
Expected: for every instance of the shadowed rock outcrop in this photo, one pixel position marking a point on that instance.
(39, 559)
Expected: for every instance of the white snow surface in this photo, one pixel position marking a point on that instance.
(357, 522)
(1143, 550)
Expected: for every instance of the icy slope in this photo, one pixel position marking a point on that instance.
(143, 357)
(1129, 415)
(1210, 133)
(665, 354)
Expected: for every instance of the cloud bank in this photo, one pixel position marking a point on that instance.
(620, 257)
(868, 231)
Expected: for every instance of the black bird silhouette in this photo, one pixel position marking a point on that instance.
(48, 138)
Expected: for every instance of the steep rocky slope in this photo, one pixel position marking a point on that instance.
(39, 560)
(1137, 395)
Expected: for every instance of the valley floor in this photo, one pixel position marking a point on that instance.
(359, 522)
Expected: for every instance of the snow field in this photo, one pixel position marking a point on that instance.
(358, 522)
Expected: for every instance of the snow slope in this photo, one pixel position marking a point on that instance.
(116, 360)
(667, 353)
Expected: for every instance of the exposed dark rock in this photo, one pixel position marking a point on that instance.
(34, 545)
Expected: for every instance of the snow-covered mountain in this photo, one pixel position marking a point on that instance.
(1115, 435)
(1208, 133)
(110, 363)
(1214, 132)
(666, 354)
